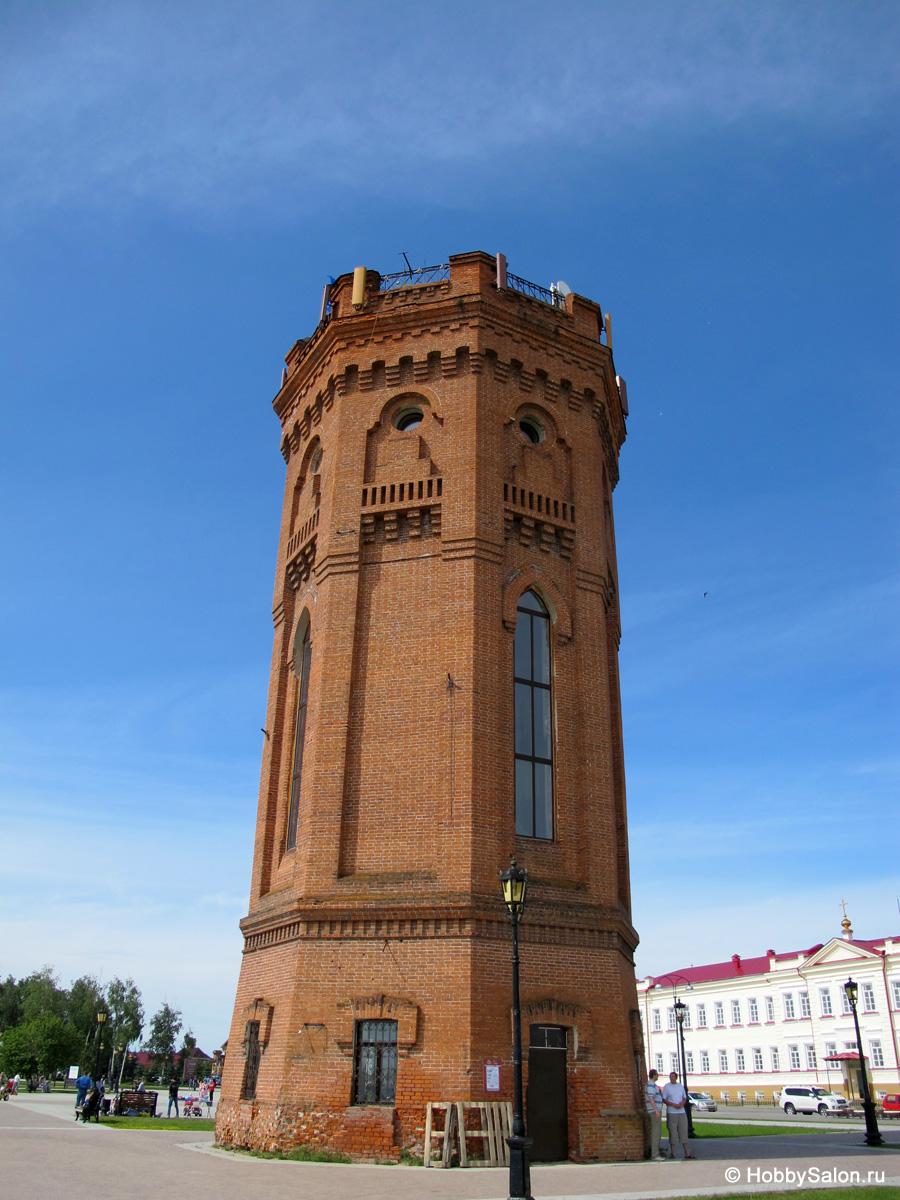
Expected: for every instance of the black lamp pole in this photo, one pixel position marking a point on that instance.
(101, 1018)
(514, 883)
(873, 1137)
(680, 1013)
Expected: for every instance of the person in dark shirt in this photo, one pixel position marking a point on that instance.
(173, 1098)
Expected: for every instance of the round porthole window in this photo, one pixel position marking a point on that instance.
(408, 418)
(532, 429)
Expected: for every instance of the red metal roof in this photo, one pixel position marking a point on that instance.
(738, 968)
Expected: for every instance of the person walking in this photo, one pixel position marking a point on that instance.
(204, 1095)
(82, 1084)
(654, 1100)
(212, 1090)
(173, 1098)
(676, 1118)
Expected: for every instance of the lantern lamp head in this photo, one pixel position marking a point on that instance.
(101, 1017)
(680, 1009)
(514, 882)
(852, 991)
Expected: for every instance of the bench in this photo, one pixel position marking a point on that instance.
(135, 1104)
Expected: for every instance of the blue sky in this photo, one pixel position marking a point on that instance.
(178, 181)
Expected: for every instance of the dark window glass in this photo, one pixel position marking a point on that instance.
(299, 736)
(534, 720)
(375, 1065)
(251, 1064)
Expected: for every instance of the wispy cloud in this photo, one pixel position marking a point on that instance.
(210, 107)
(706, 926)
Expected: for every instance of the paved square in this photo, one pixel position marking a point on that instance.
(44, 1152)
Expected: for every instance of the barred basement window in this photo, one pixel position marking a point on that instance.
(375, 1062)
(534, 720)
(251, 1065)
(299, 736)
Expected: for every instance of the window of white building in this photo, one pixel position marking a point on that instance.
(794, 1055)
(687, 1016)
(659, 1063)
(701, 1016)
(735, 1012)
(895, 988)
(845, 1004)
(810, 1057)
(868, 997)
(776, 1059)
(719, 1009)
(757, 1059)
(657, 1020)
(788, 1000)
(804, 1004)
(673, 1062)
(670, 1017)
(877, 1053)
(704, 1062)
(825, 1002)
(739, 1060)
(752, 1011)
(723, 1061)
(770, 1009)
(689, 1061)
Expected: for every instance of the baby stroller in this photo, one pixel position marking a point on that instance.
(192, 1107)
(91, 1106)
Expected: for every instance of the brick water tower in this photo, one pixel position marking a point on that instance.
(444, 694)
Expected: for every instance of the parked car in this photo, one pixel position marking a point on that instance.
(890, 1106)
(811, 1100)
(702, 1102)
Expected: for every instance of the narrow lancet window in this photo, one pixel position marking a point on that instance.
(299, 734)
(534, 720)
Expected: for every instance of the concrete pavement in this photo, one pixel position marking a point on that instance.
(43, 1150)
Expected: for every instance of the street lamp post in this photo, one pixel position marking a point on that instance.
(873, 1137)
(680, 1013)
(681, 1009)
(101, 1020)
(514, 883)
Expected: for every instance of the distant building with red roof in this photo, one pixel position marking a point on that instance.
(754, 1025)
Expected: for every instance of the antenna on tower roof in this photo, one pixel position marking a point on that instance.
(408, 263)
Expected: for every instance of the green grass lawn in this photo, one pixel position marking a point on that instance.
(706, 1129)
(188, 1124)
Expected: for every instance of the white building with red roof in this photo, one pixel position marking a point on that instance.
(755, 1025)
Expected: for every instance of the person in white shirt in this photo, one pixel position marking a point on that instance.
(676, 1118)
(654, 1112)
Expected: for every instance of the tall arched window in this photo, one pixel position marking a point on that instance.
(534, 720)
(302, 658)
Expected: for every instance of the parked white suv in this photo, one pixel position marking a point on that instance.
(810, 1100)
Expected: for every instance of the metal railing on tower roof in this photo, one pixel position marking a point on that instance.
(401, 279)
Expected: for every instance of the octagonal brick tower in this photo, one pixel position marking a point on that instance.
(444, 694)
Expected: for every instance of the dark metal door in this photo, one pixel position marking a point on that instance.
(546, 1107)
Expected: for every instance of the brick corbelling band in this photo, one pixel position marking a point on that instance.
(357, 928)
(298, 425)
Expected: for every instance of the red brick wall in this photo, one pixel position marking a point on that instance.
(390, 902)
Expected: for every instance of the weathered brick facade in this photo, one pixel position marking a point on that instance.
(406, 552)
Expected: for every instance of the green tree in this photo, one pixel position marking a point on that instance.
(10, 1003)
(85, 999)
(165, 1025)
(41, 1046)
(18, 1051)
(126, 1016)
(188, 1046)
(41, 994)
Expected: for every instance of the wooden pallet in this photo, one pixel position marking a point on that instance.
(496, 1125)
